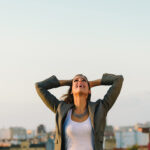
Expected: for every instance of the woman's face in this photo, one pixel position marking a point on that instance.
(80, 85)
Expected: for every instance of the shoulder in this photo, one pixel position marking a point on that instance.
(94, 104)
(97, 106)
(63, 106)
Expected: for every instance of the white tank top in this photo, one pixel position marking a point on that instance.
(78, 135)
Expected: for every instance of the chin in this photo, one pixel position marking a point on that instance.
(81, 92)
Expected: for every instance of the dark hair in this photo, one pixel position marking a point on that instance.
(68, 98)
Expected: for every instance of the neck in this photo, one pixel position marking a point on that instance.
(80, 102)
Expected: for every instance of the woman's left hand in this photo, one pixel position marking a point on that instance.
(95, 83)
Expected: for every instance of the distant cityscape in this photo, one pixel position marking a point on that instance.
(124, 137)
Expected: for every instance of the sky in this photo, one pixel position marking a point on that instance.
(41, 38)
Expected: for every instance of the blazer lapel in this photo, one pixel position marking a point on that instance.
(63, 112)
(91, 108)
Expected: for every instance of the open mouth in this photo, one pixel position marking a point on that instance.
(80, 86)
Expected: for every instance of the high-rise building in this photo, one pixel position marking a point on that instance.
(18, 133)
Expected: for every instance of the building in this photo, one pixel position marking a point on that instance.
(26, 145)
(5, 133)
(129, 136)
(18, 133)
(109, 138)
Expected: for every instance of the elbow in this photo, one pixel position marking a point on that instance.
(121, 78)
(36, 85)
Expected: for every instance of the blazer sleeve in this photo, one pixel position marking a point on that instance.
(42, 88)
(116, 82)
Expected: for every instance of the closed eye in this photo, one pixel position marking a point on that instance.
(75, 80)
(82, 80)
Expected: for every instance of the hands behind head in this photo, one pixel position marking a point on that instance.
(92, 83)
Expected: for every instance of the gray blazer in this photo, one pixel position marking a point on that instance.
(97, 110)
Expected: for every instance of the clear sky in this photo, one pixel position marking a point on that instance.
(41, 38)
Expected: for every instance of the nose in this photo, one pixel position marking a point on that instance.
(80, 80)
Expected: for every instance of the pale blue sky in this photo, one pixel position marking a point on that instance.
(43, 38)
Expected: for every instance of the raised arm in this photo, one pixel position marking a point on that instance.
(113, 92)
(42, 88)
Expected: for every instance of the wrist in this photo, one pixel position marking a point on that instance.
(95, 83)
(65, 82)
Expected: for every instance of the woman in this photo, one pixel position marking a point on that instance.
(80, 123)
